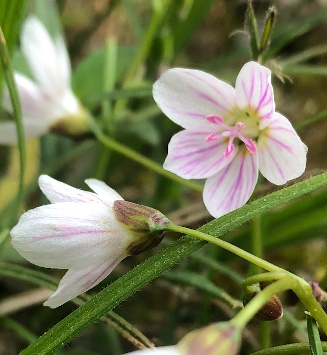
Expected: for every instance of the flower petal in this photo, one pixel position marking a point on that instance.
(187, 96)
(57, 191)
(43, 57)
(231, 187)
(69, 234)
(8, 132)
(191, 156)
(253, 89)
(30, 96)
(78, 281)
(164, 350)
(104, 192)
(282, 154)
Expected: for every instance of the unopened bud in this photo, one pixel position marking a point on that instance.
(145, 223)
(272, 310)
(219, 338)
(319, 295)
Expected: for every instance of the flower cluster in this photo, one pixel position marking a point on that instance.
(48, 103)
(229, 134)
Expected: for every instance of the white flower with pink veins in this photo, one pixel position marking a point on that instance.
(48, 101)
(229, 134)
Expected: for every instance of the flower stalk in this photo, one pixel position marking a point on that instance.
(291, 281)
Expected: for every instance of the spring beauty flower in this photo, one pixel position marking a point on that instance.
(229, 134)
(216, 339)
(48, 103)
(85, 232)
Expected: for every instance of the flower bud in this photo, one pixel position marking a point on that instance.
(145, 223)
(319, 295)
(219, 338)
(272, 310)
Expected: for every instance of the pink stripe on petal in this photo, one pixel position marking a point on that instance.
(282, 154)
(253, 89)
(187, 96)
(191, 156)
(78, 281)
(232, 187)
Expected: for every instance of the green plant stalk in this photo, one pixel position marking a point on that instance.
(141, 275)
(227, 246)
(298, 285)
(139, 158)
(253, 27)
(8, 74)
(289, 349)
(266, 276)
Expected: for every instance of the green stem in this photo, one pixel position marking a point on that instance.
(227, 246)
(297, 284)
(304, 293)
(266, 276)
(289, 349)
(137, 157)
(8, 73)
(256, 234)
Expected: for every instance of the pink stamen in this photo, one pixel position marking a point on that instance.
(212, 137)
(231, 133)
(250, 145)
(230, 149)
(214, 119)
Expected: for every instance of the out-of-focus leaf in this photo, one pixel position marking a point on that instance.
(145, 130)
(88, 77)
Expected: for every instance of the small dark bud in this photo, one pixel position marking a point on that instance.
(319, 295)
(145, 224)
(272, 310)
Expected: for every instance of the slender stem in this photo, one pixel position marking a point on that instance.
(256, 234)
(8, 73)
(289, 349)
(304, 293)
(247, 313)
(225, 245)
(148, 163)
(266, 276)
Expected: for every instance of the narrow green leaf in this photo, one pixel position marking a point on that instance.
(253, 29)
(314, 337)
(151, 268)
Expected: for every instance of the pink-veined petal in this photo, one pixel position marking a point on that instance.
(253, 89)
(188, 96)
(282, 154)
(78, 281)
(69, 234)
(41, 52)
(104, 192)
(8, 132)
(57, 191)
(232, 187)
(164, 350)
(191, 156)
(31, 99)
